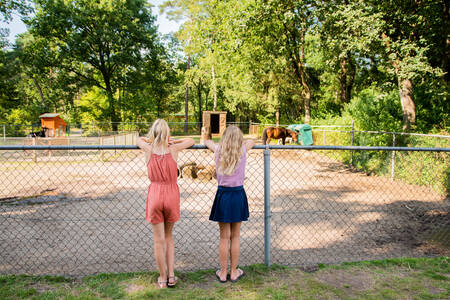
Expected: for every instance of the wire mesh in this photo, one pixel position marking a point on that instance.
(79, 212)
(326, 211)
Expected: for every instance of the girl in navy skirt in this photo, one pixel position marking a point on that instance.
(230, 205)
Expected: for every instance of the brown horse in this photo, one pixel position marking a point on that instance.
(278, 133)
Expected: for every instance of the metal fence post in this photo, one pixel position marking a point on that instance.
(353, 134)
(393, 158)
(267, 213)
(4, 132)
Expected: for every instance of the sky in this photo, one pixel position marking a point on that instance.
(16, 26)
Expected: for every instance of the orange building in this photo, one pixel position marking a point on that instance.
(56, 126)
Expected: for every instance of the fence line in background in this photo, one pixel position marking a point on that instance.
(199, 146)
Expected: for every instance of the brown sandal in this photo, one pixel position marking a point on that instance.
(162, 284)
(174, 281)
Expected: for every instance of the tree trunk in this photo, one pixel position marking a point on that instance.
(111, 101)
(298, 63)
(112, 109)
(214, 87)
(307, 90)
(346, 78)
(445, 42)
(206, 99)
(408, 107)
(343, 81)
(109, 92)
(40, 90)
(186, 98)
(351, 78)
(199, 93)
(277, 117)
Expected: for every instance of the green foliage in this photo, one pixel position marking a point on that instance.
(348, 58)
(432, 106)
(373, 110)
(422, 168)
(9, 7)
(112, 45)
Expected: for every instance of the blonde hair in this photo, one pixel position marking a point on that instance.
(230, 150)
(159, 134)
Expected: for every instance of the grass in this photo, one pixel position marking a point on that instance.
(403, 278)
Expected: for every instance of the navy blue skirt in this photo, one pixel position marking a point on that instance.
(230, 205)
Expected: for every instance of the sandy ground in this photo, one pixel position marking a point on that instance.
(78, 215)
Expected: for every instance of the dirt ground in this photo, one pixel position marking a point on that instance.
(82, 212)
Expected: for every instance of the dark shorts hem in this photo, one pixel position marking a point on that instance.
(228, 221)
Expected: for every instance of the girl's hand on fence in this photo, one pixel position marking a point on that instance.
(147, 140)
(210, 145)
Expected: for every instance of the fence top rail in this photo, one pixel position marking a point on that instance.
(387, 132)
(312, 126)
(263, 147)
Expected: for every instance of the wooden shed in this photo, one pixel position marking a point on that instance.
(216, 121)
(56, 126)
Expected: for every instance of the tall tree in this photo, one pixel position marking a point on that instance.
(102, 42)
(410, 30)
(349, 31)
(187, 11)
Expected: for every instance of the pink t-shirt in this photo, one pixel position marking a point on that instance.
(237, 179)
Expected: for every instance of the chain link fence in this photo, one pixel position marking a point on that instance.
(81, 210)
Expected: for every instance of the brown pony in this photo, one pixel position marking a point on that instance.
(278, 133)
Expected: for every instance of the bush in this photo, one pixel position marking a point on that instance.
(373, 111)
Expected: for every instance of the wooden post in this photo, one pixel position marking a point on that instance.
(393, 158)
(68, 144)
(353, 134)
(323, 139)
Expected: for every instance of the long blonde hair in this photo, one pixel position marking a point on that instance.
(230, 150)
(159, 134)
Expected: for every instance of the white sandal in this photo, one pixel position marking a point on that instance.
(162, 284)
(173, 283)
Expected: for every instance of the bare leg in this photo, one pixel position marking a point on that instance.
(170, 252)
(160, 249)
(224, 248)
(235, 248)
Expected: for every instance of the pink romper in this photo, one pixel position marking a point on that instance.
(163, 198)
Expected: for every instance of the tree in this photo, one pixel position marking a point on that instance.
(178, 10)
(409, 30)
(105, 43)
(349, 32)
(8, 7)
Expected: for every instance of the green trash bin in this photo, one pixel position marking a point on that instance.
(305, 133)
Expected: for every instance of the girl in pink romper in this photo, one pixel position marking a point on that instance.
(163, 198)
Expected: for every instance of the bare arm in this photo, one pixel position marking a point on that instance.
(249, 144)
(144, 144)
(181, 144)
(210, 145)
